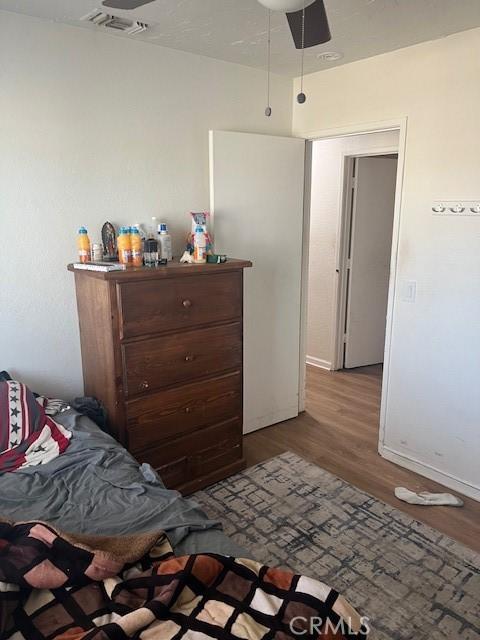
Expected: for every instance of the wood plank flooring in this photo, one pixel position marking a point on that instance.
(339, 432)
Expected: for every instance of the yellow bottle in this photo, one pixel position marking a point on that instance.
(199, 245)
(124, 246)
(83, 244)
(136, 245)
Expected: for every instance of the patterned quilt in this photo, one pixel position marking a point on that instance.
(61, 587)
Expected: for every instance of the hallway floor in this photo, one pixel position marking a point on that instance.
(339, 432)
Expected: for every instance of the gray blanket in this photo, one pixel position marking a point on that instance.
(96, 487)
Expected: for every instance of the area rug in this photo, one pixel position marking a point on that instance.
(411, 581)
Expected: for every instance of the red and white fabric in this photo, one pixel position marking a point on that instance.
(28, 436)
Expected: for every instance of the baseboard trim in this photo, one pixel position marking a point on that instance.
(465, 488)
(318, 362)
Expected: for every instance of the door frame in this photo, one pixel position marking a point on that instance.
(399, 124)
(343, 238)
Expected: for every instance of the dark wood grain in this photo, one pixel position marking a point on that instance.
(164, 353)
(97, 342)
(179, 357)
(181, 460)
(183, 409)
(173, 269)
(339, 432)
(164, 305)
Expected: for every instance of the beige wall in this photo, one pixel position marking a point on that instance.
(433, 408)
(96, 127)
(328, 157)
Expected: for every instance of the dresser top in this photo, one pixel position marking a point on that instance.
(170, 270)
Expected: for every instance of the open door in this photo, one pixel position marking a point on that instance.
(369, 263)
(257, 187)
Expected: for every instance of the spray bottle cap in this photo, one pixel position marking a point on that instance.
(82, 230)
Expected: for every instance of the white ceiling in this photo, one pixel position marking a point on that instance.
(235, 30)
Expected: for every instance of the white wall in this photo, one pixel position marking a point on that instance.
(433, 408)
(328, 157)
(95, 127)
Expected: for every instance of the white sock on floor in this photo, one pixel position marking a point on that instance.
(427, 499)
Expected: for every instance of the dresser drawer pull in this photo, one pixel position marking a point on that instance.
(187, 304)
(189, 358)
(144, 385)
(187, 409)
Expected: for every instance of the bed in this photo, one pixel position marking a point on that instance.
(96, 487)
(94, 547)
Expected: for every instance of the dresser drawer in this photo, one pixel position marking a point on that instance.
(198, 454)
(149, 307)
(170, 413)
(172, 473)
(180, 357)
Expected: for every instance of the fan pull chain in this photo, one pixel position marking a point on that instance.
(268, 110)
(301, 96)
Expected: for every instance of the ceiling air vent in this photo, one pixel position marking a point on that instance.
(109, 21)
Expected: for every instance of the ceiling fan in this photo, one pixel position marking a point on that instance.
(307, 29)
(315, 30)
(308, 23)
(127, 5)
(307, 20)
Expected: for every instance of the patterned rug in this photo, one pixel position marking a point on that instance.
(413, 582)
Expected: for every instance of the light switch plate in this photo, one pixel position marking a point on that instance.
(409, 291)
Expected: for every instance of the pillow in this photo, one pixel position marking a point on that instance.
(4, 375)
(28, 436)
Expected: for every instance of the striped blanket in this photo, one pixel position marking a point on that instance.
(55, 586)
(28, 436)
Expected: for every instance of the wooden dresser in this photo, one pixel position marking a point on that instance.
(162, 349)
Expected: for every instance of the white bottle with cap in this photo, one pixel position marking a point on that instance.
(164, 242)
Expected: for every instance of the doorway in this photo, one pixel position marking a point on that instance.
(255, 222)
(365, 264)
(351, 200)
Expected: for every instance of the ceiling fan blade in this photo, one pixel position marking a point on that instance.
(125, 4)
(317, 30)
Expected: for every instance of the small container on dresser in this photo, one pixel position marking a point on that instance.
(162, 349)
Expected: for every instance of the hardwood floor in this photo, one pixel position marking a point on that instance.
(339, 432)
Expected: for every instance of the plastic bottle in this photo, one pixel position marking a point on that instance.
(136, 246)
(140, 229)
(97, 252)
(120, 244)
(83, 244)
(199, 245)
(128, 231)
(164, 242)
(124, 246)
(153, 227)
(150, 252)
(150, 245)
